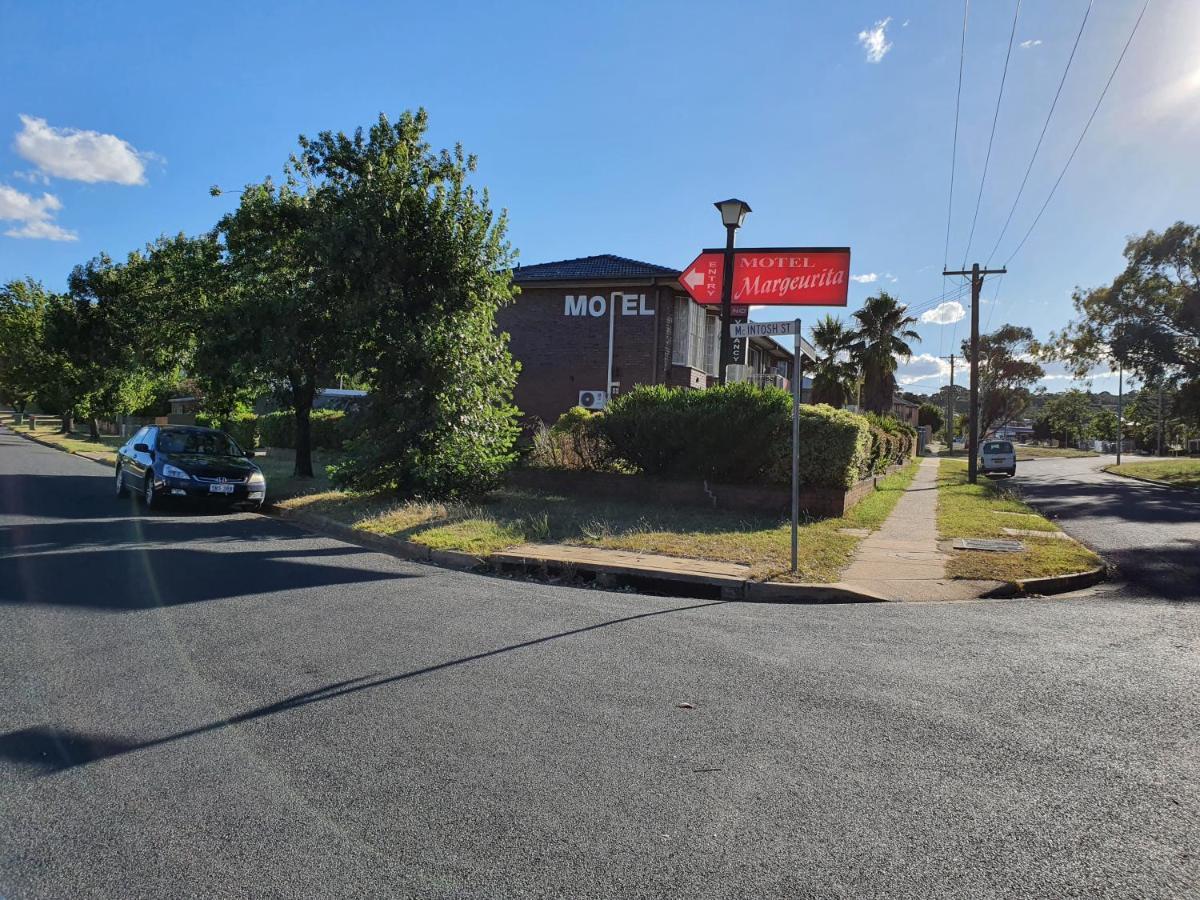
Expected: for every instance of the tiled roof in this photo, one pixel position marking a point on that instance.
(604, 267)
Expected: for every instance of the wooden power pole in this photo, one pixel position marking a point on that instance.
(977, 275)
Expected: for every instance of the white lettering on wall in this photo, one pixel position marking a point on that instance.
(631, 305)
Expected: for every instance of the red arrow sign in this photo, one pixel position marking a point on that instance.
(773, 276)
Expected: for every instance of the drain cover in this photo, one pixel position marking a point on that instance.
(993, 546)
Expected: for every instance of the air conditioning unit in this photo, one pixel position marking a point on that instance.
(593, 399)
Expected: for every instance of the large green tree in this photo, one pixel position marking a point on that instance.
(281, 317)
(881, 339)
(24, 362)
(1070, 415)
(835, 373)
(1007, 371)
(393, 266)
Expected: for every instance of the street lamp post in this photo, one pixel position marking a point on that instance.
(733, 213)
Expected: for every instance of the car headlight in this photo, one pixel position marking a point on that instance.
(257, 480)
(175, 472)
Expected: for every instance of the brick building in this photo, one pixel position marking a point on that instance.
(560, 324)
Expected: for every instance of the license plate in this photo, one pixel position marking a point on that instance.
(220, 488)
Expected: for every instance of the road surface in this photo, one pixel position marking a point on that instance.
(227, 706)
(1149, 532)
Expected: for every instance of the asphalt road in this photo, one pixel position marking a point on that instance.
(227, 706)
(1149, 532)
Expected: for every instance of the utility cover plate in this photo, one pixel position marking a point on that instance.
(993, 546)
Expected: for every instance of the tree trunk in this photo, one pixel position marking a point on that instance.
(303, 391)
(68, 422)
(94, 428)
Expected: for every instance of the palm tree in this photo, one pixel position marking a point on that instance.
(834, 374)
(883, 329)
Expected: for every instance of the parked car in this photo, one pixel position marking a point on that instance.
(188, 463)
(998, 458)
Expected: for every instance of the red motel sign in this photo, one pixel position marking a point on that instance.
(773, 276)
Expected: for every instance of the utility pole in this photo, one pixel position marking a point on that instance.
(950, 406)
(1120, 407)
(977, 275)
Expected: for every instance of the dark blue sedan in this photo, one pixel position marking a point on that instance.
(188, 463)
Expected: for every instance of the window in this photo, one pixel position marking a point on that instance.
(997, 447)
(697, 336)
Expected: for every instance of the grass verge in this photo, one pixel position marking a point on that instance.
(508, 518)
(1026, 452)
(984, 510)
(1176, 472)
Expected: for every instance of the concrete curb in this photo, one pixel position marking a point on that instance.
(603, 576)
(1055, 584)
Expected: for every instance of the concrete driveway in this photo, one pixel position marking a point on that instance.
(1151, 533)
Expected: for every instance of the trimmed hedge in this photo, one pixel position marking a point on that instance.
(892, 441)
(242, 427)
(737, 433)
(330, 428)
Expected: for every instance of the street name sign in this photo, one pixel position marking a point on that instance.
(773, 276)
(761, 329)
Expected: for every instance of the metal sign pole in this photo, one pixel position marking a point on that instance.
(797, 384)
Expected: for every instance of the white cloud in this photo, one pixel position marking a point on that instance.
(875, 41)
(36, 215)
(1031, 43)
(890, 277)
(922, 367)
(945, 313)
(867, 278)
(79, 155)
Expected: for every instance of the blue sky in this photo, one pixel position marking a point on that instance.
(612, 127)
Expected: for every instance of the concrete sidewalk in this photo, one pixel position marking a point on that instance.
(901, 560)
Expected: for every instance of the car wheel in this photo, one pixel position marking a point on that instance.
(122, 491)
(149, 495)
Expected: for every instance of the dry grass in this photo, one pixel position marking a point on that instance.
(1176, 472)
(984, 510)
(513, 517)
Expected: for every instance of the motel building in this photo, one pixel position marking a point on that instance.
(577, 320)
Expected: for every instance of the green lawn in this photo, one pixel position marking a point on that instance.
(511, 517)
(278, 465)
(984, 510)
(1026, 452)
(1177, 472)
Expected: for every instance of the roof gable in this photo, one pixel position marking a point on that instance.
(604, 267)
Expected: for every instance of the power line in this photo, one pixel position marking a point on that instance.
(1042, 136)
(962, 55)
(1082, 134)
(991, 139)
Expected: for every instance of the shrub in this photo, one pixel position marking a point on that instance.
(573, 442)
(893, 441)
(736, 433)
(241, 426)
(330, 429)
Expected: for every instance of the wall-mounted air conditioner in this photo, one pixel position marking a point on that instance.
(593, 399)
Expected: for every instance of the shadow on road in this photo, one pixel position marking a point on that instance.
(46, 750)
(136, 578)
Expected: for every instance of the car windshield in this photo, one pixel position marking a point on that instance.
(997, 447)
(202, 443)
